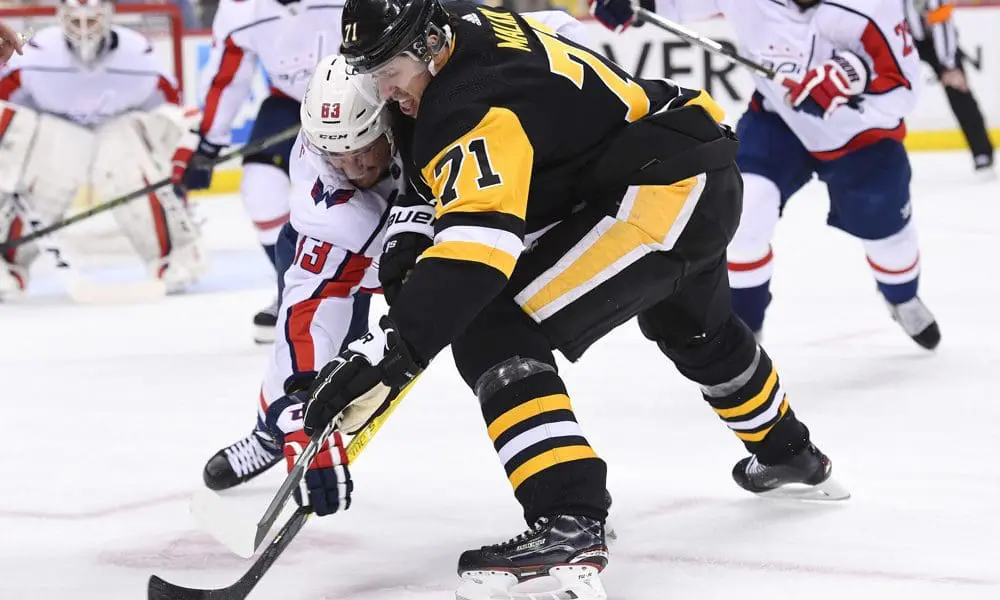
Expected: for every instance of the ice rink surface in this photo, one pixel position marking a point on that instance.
(109, 412)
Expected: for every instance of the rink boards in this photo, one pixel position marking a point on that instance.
(651, 52)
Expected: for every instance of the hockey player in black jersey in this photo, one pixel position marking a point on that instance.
(570, 197)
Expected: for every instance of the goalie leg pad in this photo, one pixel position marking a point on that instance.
(14, 263)
(133, 152)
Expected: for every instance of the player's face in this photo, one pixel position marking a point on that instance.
(403, 80)
(363, 167)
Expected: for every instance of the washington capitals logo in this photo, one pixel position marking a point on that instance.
(330, 198)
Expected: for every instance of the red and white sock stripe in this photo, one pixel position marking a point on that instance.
(751, 272)
(895, 259)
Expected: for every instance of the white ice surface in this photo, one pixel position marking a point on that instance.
(108, 414)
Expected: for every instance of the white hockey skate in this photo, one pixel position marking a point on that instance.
(264, 323)
(917, 321)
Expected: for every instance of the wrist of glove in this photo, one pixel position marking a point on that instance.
(192, 162)
(837, 81)
(399, 256)
(327, 485)
(618, 15)
(409, 232)
(358, 385)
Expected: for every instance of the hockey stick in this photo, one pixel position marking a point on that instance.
(80, 289)
(215, 514)
(707, 43)
(159, 589)
(152, 187)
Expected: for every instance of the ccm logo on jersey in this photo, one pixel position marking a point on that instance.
(330, 111)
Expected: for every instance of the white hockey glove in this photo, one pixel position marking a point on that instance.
(359, 383)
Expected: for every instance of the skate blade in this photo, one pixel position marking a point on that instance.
(827, 491)
(572, 582)
(263, 335)
(232, 527)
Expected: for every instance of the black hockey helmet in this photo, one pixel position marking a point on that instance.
(377, 30)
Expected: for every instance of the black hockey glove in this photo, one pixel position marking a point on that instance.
(360, 382)
(193, 163)
(618, 15)
(409, 232)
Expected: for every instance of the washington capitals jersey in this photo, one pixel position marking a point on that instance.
(288, 38)
(791, 41)
(327, 208)
(49, 78)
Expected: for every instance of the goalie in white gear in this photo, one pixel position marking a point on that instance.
(89, 104)
(345, 176)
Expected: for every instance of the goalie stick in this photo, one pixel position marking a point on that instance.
(707, 43)
(152, 187)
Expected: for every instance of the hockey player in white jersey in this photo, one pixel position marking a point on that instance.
(88, 103)
(288, 38)
(847, 72)
(346, 176)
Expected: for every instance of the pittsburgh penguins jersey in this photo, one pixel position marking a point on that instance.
(503, 137)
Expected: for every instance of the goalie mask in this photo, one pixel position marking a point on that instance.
(86, 25)
(345, 124)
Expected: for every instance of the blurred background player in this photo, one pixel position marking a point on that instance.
(89, 103)
(936, 40)
(288, 38)
(846, 77)
(345, 177)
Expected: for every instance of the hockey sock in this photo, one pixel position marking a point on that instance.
(750, 304)
(895, 263)
(754, 407)
(269, 251)
(739, 382)
(548, 461)
(750, 282)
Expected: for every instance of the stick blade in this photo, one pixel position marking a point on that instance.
(230, 523)
(158, 589)
(83, 291)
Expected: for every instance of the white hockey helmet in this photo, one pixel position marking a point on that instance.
(342, 113)
(86, 25)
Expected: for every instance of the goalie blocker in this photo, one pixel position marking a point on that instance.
(47, 160)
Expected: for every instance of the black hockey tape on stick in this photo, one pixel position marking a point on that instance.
(696, 38)
(353, 449)
(159, 589)
(247, 149)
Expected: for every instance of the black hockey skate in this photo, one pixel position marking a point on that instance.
(242, 461)
(917, 322)
(805, 476)
(570, 549)
(264, 324)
